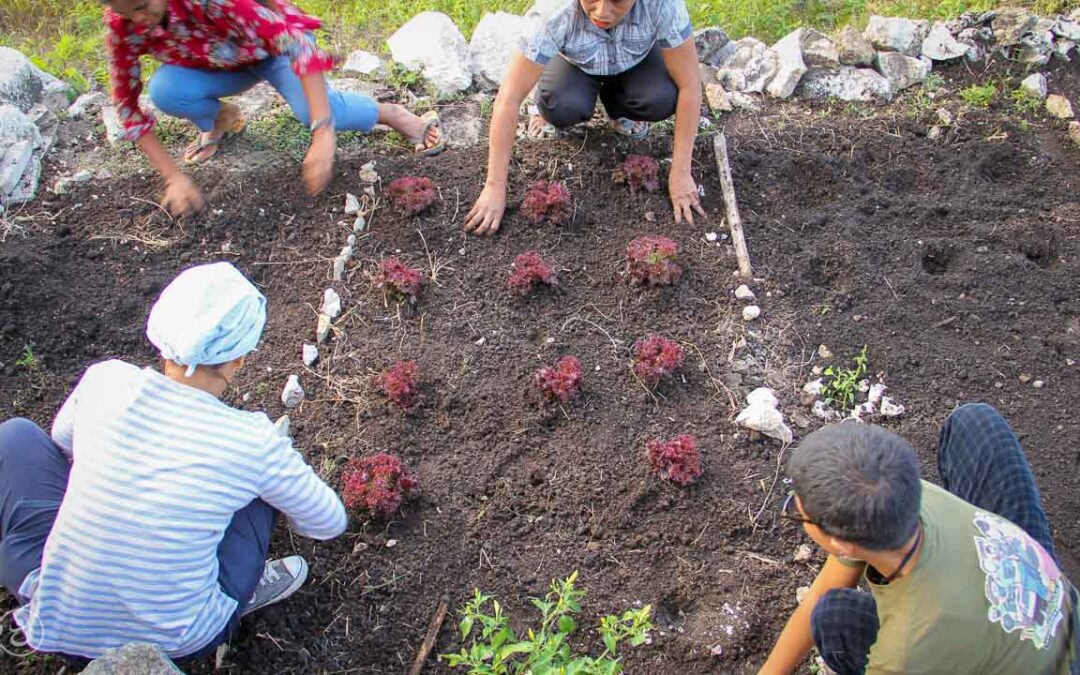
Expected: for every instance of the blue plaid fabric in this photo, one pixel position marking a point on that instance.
(569, 32)
(980, 460)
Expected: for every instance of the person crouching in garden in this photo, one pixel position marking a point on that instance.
(217, 48)
(637, 56)
(963, 578)
(147, 515)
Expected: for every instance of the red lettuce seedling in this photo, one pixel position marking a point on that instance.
(547, 201)
(376, 484)
(529, 270)
(398, 278)
(677, 460)
(656, 357)
(562, 382)
(651, 260)
(412, 194)
(640, 172)
(401, 383)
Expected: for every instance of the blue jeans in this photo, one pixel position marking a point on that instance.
(194, 94)
(33, 480)
(979, 460)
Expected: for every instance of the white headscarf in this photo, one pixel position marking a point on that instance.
(209, 315)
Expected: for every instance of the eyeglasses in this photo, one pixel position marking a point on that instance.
(789, 511)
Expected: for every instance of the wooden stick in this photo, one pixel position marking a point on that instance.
(429, 640)
(723, 167)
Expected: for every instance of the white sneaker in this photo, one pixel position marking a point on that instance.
(280, 579)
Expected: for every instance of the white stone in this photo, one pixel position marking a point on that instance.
(762, 416)
(711, 237)
(13, 164)
(762, 396)
(1062, 47)
(1035, 85)
(87, 104)
(713, 45)
(789, 65)
(494, 42)
(433, 45)
(282, 425)
(352, 204)
(940, 45)
(331, 304)
(368, 173)
(744, 293)
(114, 130)
(876, 393)
(853, 48)
(896, 34)
(132, 659)
(362, 63)
(1059, 107)
(889, 408)
(800, 594)
(718, 99)
(1035, 48)
(293, 393)
(1010, 24)
(339, 267)
(803, 553)
(359, 224)
(1038, 384)
(748, 67)
(20, 85)
(901, 71)
(751, 312)
(817, 49)
(822, 411)
(845, 84)
(1067, 28)
(741, 101)
(322, 329)
(1074, 134)
(310, 354)
(83, 176)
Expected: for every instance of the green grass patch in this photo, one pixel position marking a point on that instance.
(1024, 102)
(979, 95)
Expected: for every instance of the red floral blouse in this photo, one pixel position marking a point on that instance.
(209, 34)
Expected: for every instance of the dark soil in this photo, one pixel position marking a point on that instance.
(955, 261)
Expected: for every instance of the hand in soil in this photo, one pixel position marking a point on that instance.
(181, 196)
(684, 197)
(487, 212)
(319, 161)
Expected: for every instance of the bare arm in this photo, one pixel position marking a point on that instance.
(319, 161)
(795, 640)
(682, 65)
(521, 77)
(181, 195)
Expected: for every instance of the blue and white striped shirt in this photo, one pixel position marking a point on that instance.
(159, 468)
(596, 51)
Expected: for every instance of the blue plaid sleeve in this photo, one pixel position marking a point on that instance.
(546, 41)
(673, 24)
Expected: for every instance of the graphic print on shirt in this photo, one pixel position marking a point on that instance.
(1024, 586)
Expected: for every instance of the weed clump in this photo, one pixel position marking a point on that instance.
(528, 271)
(656, 357)
(842, 384)
(376, 485)
(398, 278)
(639, 172)
(562, 382)
(401, 384)
(676, 460)
(547, 201)
(651, 261)
(412, 194)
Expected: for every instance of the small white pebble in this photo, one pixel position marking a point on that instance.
(743, 292)
(246, 397)
(711, 236)
(550, 340)
(751, 312)
(1038, 384)
(391, 543)
(480, 342)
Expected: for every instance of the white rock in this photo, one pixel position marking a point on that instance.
(1074, 132)
(20, 84)
(114, 130)
(339, 267)
(282, 425)
(741, 101)
(789, 65)
(1010, 24)
(940, 45)
(352, 204)
(803, 553)
(494, 42)
(133, 658)
(1035, 48)
(711, 237)
(391, 543)
(432, 44)
(889, 408)
(800, 593)
(814, 387)
(362, 63)
(895, 34)
(845, 84)
(748, 67)
(1062, 47)
(762, 396)
(853, 48)
(368, 173)
(877, 391)
(713, 45)
(83, 176)
(1059, 107)
(351, 240)
(359, 225)
(718, 99)
(901, 71)
(744, 293)
(1067, 28)
(322, 329)
(331, 304)
(751, 312)
(822, 411)
(1035, 85)
(817, 49)
(310, 354)
(87, 104)
(762, 416)
(293, 393)
(13, 164)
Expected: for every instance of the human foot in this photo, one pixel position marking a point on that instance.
(230, 120)
(424, 132)
(539, 129)
(633, 130)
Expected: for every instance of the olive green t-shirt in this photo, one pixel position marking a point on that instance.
(983, 598)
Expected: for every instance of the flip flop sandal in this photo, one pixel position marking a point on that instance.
(432, 121)
(635, 131)
(196, 148)
(547, 132)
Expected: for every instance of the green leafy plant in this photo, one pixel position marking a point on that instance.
(1024, 102)
(495, 648)
(979, 96)
(401, 77)
(841, 384)
(29, 359)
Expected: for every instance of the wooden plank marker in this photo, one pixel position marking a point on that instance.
(723, 167)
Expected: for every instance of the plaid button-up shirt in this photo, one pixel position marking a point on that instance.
(569, 32)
